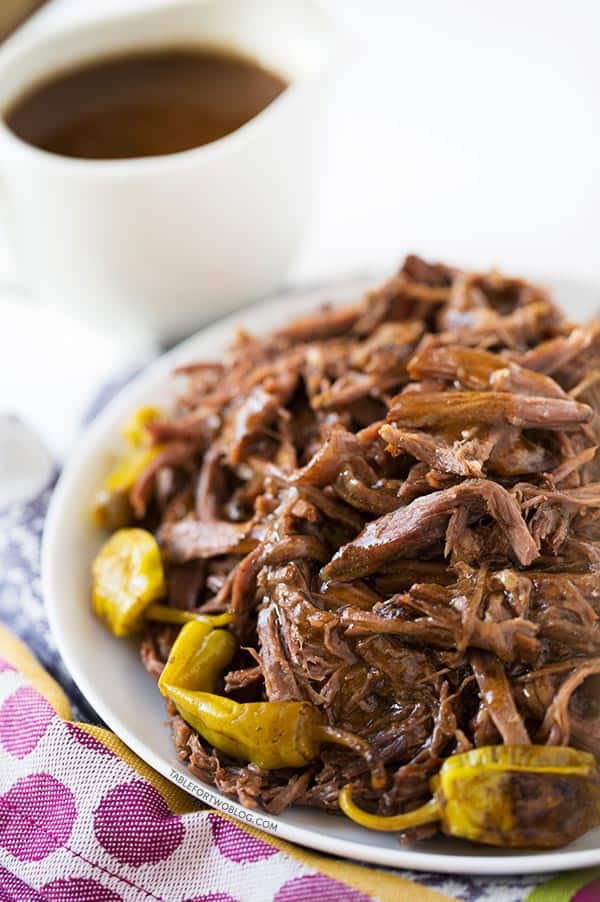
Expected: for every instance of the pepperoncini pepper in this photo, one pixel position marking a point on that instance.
(111, 508)
(197, 658)
(128, 579)
(135, 430)
(270, 734)
(528, 796)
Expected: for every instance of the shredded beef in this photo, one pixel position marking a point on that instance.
(399, 503)
(412, 528)
(498, 699)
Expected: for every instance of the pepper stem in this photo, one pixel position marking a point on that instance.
(327, 733)
(174, 615)
(426, 814)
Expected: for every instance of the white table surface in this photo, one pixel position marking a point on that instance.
(467, 131)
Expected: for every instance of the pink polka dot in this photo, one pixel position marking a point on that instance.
(5, 666)
(237, 845)
(134, 823)
(36, 817)
(588, 893)
(90, 742)
(24, 718)
(78, 889)
(318, 886)
(12, 889)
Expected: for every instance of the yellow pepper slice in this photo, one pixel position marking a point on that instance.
(127, 577)
(134, 429)
(165, 614)
(520, 796)
(111, 508)
(270, 734)
(197, 658)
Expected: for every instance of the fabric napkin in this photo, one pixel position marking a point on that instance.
(82, 819)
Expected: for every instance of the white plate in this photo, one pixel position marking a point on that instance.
(109, 673)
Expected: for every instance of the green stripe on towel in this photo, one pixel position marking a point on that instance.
(564, 888)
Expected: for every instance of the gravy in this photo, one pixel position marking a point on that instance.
(144, 104)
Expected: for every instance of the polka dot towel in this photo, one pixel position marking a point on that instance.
(82, 820)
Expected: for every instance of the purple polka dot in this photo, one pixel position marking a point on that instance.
(90, 742)
(134, 823)
(36, 817)
(213, 897)
(24, 718)
(588, 893)
(237, 845)
(78, 889)
(318, 886)
(5, 666)
(12, 889)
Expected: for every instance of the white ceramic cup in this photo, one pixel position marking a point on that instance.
(169, 242)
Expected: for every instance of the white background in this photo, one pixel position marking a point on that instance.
(467, 130)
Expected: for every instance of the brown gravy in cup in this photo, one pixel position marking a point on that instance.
(145, 104)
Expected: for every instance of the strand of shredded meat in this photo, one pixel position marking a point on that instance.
(399, 501)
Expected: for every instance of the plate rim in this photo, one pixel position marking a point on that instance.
(282, 305)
